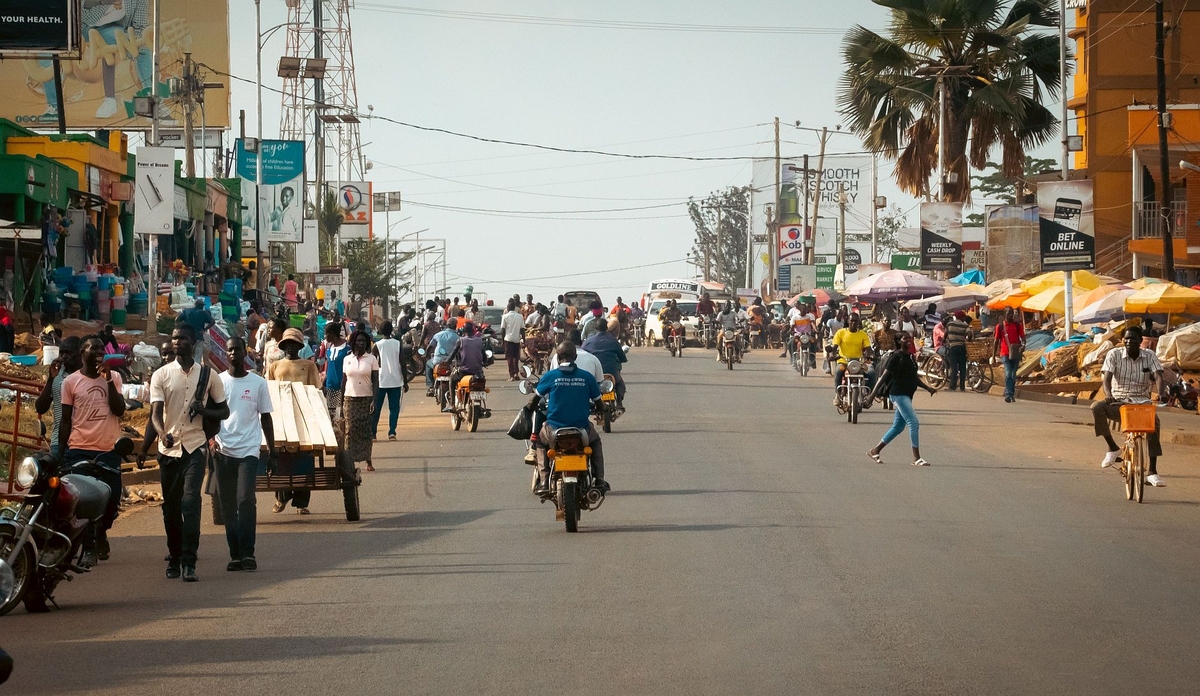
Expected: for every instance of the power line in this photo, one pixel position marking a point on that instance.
(539, 20)
(574, 275)
(550, 214)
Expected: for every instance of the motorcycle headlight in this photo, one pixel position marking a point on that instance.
(27, 473)
(854, 367)
(606, 386)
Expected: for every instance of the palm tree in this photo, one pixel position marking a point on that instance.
(329, 217)
(996, 69)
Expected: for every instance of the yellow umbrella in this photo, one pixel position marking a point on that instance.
(1012, 298)
(1050, 300)
(1092, 296)
(1163, 298)
(1145, 282)
(1080, 279)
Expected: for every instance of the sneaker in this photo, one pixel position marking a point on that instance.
(278, 507)
(234, 566)
(1156, 481)
(248, 563)
(531, 457)
(391, 437)
(108, 108)
(541, 489)
(1110, 459)
(89, 560)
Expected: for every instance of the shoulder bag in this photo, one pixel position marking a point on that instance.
(212, 426)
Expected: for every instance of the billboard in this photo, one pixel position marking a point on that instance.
(115, 66)
(154, 179)
(1012, 241)
(281, 197)
(941, 236)
(851, 174)
(39, 28)
(1066, 225)
(791, 244)
(355, 199)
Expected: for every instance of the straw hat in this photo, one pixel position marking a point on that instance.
(292, 334)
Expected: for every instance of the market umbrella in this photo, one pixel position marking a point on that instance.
(952, 300)
(893, 285)
(1050, 300)
(1145, 282)
(1163, 298)
(973, 276)
(818, 296)
(1096, 295)
(1110, 307)
(1080, 279)
(1013, 298)
(997, 288)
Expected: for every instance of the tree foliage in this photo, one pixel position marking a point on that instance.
(727, 263)
(998, 68)
(995, 185)
(329, 221)
(376, 270)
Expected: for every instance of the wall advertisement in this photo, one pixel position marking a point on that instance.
(39, 28)
(154, 180)
(355, 199)
(1066, 225)
(941, 236)
(791, 245)
(281, 197)
(115, 64)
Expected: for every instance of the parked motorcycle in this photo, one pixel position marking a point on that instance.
(606, 411)
(43, 542)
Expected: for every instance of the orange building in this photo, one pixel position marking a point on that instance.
(1114, 94)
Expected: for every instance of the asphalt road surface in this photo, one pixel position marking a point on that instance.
(749, 546)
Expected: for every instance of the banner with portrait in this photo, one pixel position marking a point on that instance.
(280, 210)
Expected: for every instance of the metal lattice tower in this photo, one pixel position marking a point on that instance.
(323, 112)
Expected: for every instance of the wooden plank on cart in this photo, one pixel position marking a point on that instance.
(290, 442)
(304, 404)
(299, 403)
(321, 416)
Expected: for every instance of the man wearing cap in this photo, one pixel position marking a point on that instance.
(293, 368)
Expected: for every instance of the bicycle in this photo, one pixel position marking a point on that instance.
(1137, 420)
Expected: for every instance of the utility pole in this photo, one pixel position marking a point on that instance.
(810, 233)
(720, 253)
(773, 230)
(941, 162)
(874, 208)
(841, 197)
(1164, 124)
(817, 186)
(152, 271)
(188, 94)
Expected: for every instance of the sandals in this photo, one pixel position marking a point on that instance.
(369, 467)
(920, 462)
(878, 459)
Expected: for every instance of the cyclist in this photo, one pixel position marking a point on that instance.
(1128, 374)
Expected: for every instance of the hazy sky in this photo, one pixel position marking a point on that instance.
(701, 93)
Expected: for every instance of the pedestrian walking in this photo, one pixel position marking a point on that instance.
(179, 403)
(1010, 346)
(92, 407)
(360, 383)
(958, 332)
(293, 368)
(512, 327)
(238, 451)
(333, 351)
(932, 318)
(393, 380)
(900, 381)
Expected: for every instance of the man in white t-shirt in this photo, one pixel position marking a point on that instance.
(512, 329)
(803, 321)
(393, 379)
(237, 456)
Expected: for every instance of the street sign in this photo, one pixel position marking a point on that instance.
(206, 138)
(386, 201)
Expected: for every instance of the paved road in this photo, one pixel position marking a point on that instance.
(749, 547)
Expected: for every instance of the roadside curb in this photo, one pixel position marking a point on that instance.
(140, 476)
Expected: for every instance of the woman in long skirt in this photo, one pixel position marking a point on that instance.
(900, 378)
(360, 383)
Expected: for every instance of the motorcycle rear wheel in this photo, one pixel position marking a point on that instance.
(607, 421)
(24, 569)
(473, 416)
(455, 416)
(569, 504)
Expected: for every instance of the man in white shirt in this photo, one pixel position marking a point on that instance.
(584, 361)
(511, 330)
(393, 379)
(1128, 374)
(236, 460)
(802, 321)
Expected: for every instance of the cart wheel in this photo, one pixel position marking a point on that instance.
(350, 496)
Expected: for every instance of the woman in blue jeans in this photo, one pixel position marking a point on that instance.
(900, 378)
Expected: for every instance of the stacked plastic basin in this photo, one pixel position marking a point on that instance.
(230, 299)
(119, 304)
(137, 303)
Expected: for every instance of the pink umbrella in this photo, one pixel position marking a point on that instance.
(894, 285)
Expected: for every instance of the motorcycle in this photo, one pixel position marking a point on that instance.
(708, 331)
(43, 541)
(931, 368)
(470, 401)
(441, 382)
(731, 349)
(639, 332)
(803, 359)
(539, 354)
(756, 336)
(572, 486)
(671, 337)
(606, 411)
(852, 391)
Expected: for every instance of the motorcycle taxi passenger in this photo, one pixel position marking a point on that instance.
(569, 391)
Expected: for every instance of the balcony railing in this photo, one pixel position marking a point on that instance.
(1150, 220)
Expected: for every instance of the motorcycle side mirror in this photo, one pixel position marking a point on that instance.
(124, 447)
(7, 581)
(625, 347)
(420, 351)
(489, 354)
(527, 370)
(523, 387)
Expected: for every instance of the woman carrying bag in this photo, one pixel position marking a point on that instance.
(900, 379)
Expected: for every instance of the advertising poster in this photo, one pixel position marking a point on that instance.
(1066, 225)
(115, 65)
(851, 174)
(803, 277)
(941, 236)
(791, 244)
(355, 198)
(154, 184)
(49, 27)
(281, 197)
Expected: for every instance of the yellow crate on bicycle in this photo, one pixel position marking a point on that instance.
(1137, 418)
